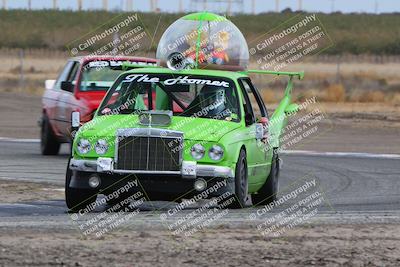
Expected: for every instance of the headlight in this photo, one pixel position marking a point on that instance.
(83, 146)
(101, 146)
(197, 151)
(216, 152)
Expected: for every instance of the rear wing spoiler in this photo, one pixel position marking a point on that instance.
(299, 74)
(129, 65)
(289, 87)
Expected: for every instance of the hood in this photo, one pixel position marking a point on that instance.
(199, 129)
(92, 99)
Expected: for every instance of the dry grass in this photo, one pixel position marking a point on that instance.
(318, 70)
(268, 95)
(395, 99)
(357, 107)
(335, 93)
(373, 96)
(307, 94)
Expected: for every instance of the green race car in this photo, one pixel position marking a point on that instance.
(179, 133)
(198, 127)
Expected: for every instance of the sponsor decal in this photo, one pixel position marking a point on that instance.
(115, 63)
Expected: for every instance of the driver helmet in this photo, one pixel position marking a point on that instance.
(212, 100)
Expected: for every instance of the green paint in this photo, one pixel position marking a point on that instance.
(232, 136)
(206, 16)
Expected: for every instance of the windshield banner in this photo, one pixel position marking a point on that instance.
(173, 81)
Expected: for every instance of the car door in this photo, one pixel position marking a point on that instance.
(258, 156)
(55, 113)
(66, 100)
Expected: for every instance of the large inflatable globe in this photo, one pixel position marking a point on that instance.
(203, 40)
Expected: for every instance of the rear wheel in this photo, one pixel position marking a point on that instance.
(268, 192)
(77, 199)
(49, 144)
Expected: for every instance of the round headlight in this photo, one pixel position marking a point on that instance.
(83, 146)
(197, 151)
(216, 152)
(101, 146)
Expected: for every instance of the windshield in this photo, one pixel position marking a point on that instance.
(100, 75)
(184, 95)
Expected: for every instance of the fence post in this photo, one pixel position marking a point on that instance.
(338, 61)
(21, 71)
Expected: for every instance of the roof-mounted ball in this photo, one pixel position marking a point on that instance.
(203, 40)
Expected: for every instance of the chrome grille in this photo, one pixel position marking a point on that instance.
(148, 150)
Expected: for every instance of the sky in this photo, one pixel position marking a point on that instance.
(346, 6)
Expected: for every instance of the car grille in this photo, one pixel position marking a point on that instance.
(148, 153)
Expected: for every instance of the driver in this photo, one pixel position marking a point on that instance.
(212, 101)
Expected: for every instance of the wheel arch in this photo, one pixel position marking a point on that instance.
(240, 147)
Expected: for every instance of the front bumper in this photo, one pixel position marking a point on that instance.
(189, 169)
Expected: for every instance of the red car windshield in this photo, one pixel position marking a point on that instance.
(99, 75)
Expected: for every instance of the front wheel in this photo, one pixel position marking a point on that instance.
(241, 182)
(268, 192)
(77, 199)
(49, 144)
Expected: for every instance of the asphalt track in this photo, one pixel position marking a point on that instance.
(357, 188)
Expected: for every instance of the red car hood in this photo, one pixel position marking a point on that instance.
(90, 101)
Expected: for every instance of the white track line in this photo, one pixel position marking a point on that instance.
(18, 140)
(341, 154)
(284, 152)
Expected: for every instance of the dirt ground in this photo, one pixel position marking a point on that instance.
(324, 245)
(19, 115)
(12, 192)
(352, 135)
(307, 245)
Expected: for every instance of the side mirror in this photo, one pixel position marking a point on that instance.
(49, 84)
(67, 86)
(75, 119)
(292, 109)
(259, 131)
(248, 119)
(264, 124)
(75, 122)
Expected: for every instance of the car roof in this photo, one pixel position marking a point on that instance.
(205, 72)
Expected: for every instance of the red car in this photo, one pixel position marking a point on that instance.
(80, 86)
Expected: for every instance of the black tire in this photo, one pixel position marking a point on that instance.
(268, 192)
(49, 144)
(241, 182)
(77, 199)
